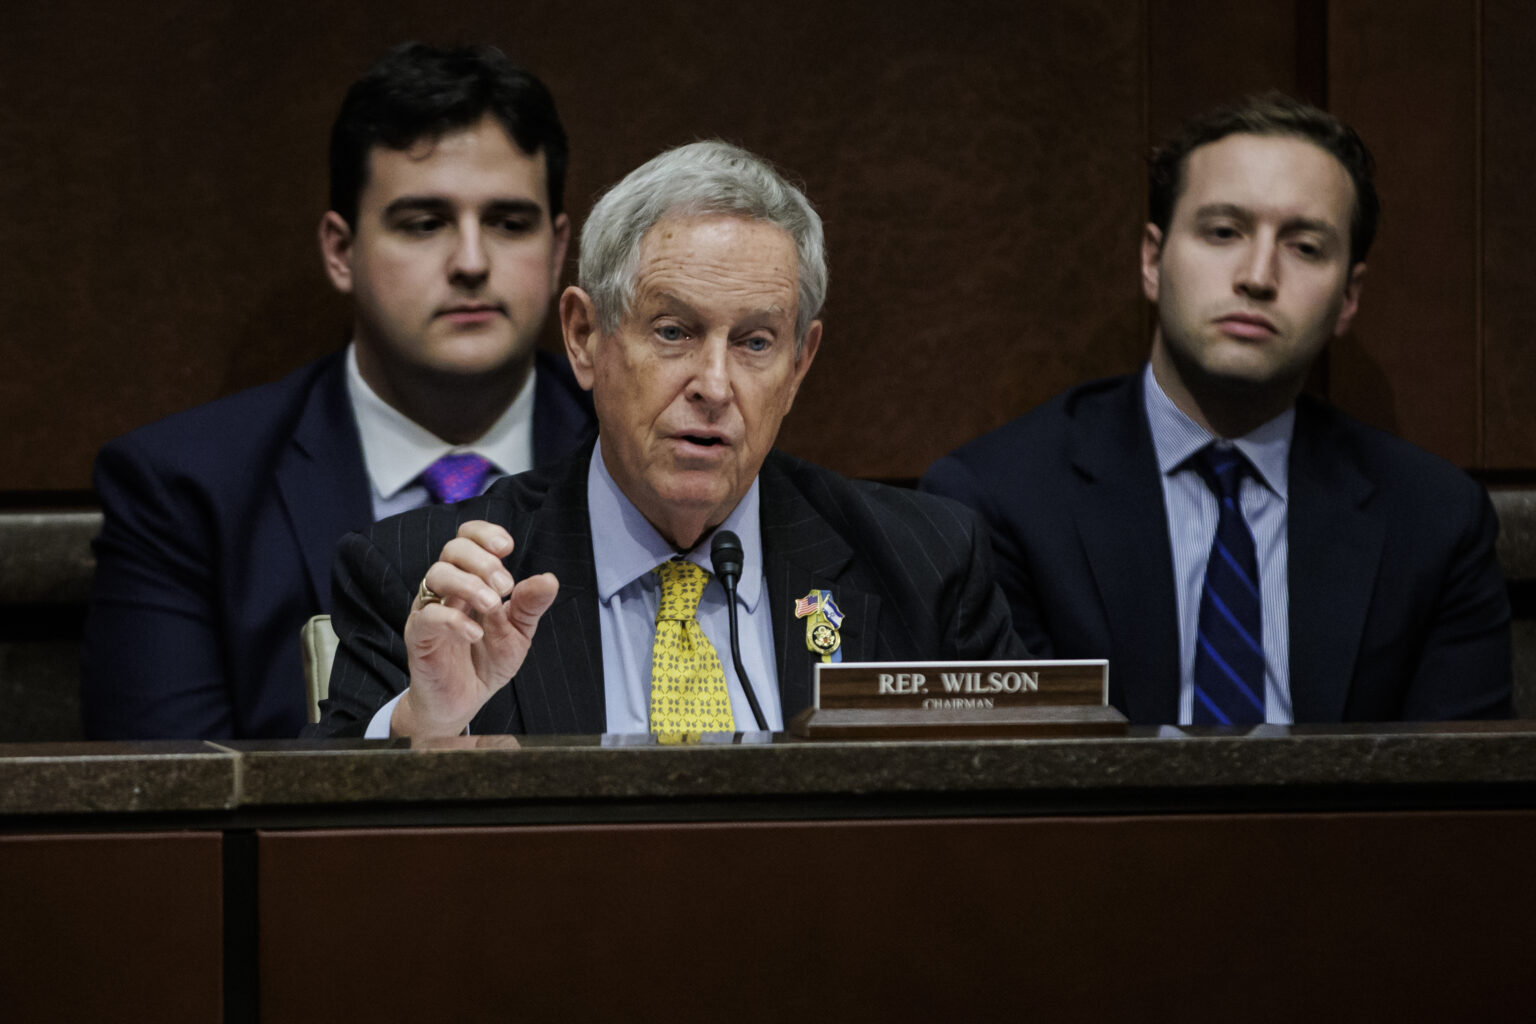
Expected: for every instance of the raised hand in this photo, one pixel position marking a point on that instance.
(468, 632)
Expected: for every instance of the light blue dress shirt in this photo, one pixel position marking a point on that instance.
(626, 548)
(1192, 516)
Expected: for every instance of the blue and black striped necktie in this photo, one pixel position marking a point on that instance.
(1229, 648)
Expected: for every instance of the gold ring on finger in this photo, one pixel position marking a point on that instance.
(426, 595)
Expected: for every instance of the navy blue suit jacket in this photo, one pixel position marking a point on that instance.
(911, 573)
(1398, 610)
(219, 529)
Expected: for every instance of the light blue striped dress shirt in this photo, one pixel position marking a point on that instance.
(1192, 515)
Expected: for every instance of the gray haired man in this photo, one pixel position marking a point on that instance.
(579, 599)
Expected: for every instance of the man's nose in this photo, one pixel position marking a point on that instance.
(1258, 276)
(711, 378)
(470, 262)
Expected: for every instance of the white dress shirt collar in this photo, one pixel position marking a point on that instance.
(396, 449)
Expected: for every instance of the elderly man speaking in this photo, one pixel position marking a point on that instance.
(579, 599)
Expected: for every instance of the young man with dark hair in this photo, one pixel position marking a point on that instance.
(1242, 553)
(220, 523)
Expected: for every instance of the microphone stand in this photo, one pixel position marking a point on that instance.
(725, 556)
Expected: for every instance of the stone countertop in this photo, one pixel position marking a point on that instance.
(576, 768)
(93, 778)
(1182, 767)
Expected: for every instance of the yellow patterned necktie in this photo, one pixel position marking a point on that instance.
(688, 692)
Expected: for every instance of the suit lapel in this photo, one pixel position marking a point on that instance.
(1123, 527)
(1333, 549)
(801, 553)
(321, 479)
(560, 686)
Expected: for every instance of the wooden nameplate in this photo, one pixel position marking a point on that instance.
(957, 700)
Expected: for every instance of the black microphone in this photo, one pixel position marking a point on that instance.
(726, 557)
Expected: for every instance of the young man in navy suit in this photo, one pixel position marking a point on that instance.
(447, 230)
(1242, 553)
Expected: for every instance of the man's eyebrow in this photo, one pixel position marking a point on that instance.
(514, 208)
(1321, 227)
(444, 208)
(1224, 210)
(681, 306)
(675, 303)
(765, 316)
(418, 204)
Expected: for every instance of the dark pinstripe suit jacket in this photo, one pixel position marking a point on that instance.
(908, 570)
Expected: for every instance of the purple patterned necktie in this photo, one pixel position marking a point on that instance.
(456, 477)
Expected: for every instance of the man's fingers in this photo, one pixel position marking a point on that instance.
(489, 536)
(456, 634)
(434, 622)
(463, 589)
(530, 600)
(467, 554)
(455, 586)
(469, 568)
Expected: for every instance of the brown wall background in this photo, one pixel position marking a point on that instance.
(979, 166)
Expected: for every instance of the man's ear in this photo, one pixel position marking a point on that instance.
(1151, 261)
(1351, 306)
(336, 250)
(578, 327)
(805, 358)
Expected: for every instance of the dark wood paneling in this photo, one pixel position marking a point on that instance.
(1509, 225)
(978, 168)
(1421, 916)
(979, 171)
(111, 927)
(1205, 52)
(1405, 74)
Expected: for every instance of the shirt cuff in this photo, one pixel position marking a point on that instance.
(378, 725)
